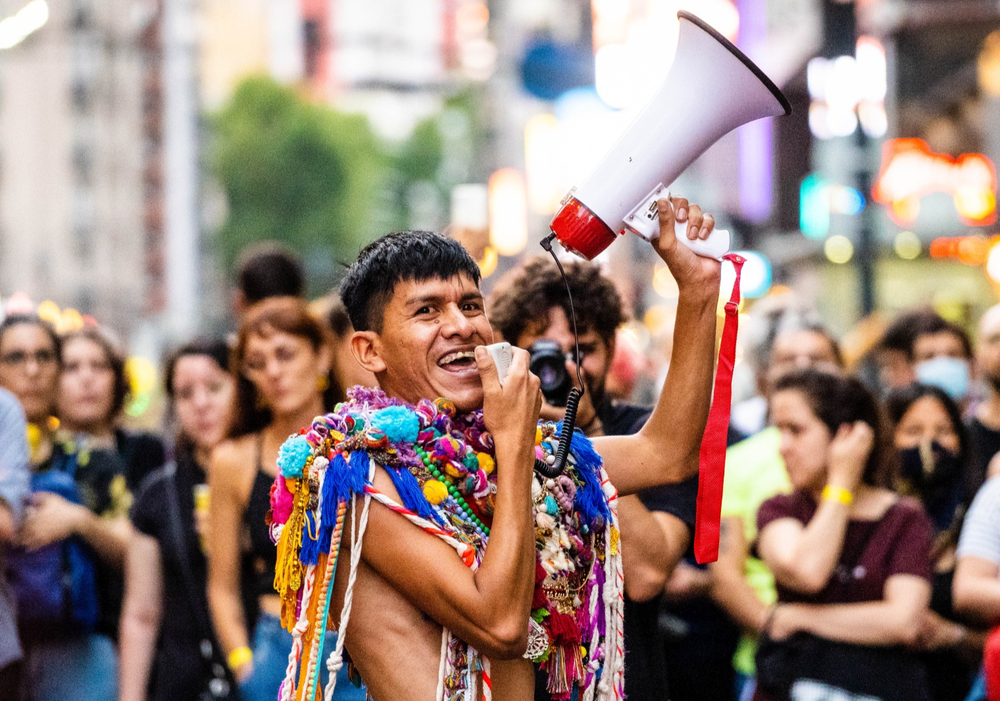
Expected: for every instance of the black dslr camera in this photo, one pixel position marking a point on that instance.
(548, 362)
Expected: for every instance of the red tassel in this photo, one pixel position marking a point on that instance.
(538, 599)
(563, 629)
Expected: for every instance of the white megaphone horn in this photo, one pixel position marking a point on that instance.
(664, 139)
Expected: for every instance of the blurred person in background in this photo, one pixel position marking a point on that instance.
(738, 581)
(77, 517)
(29, 369)
(93, 391)
(168, 648)
(531, 305)
(977, 572)
(984, 424)
(922, 346)
(15, 486)
(346, 370)
(749, 416)
(267, 269)
(930, 441)
(282, 362)
(850, 557)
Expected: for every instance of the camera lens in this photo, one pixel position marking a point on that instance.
(549, 363)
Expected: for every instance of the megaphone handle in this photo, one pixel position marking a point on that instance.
(715, 246)
(644, 221)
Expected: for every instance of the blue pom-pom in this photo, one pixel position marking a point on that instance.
(399, 423)
(292, 456)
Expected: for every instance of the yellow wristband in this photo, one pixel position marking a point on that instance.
(239, 657)
(831, 493)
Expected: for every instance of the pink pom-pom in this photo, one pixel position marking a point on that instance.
(282, 501)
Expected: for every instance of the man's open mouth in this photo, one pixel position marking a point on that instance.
(458, 361)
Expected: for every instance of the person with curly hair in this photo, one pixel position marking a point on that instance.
(531, 304)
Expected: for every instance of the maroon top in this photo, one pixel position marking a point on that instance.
(873, 551)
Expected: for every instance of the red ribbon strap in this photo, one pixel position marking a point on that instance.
(712, 460)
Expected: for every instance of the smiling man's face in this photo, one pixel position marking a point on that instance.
(426, 348)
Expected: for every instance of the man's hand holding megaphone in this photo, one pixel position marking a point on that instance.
(694, 274)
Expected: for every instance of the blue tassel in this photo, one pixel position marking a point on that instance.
(357, 474)
(334, 490)
(410, 492)
(309, 554)
(590, 502)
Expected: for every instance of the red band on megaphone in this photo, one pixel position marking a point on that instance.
(712, 460)
(580, 230)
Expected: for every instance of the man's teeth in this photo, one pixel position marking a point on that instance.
(459, 355)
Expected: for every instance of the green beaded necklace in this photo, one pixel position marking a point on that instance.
(453, 491)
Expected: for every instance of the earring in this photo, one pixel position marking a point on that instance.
(322, 383)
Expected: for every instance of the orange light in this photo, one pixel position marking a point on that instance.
(906, 210)
(910, 170)
(942, 248)
(976, 205)
(972, 250)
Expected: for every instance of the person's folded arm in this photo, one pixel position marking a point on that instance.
(893, 620)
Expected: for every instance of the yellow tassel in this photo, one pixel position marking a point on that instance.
(288, 570)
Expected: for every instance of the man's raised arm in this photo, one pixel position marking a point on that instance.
(667, 447)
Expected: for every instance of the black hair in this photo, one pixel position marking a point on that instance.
(216, 349)
(903, 332)
(901, 399)
(33, 320)
(394, 258)
(268, 269)
(837, 400)
(523, 299)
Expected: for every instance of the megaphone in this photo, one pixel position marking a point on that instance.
(664, 139)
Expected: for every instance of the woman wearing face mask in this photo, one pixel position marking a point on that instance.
(282, 361)
(29, 369)
(78, 514)
(930, 440)
(849, 556)
(165, 616)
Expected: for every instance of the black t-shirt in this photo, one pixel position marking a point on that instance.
(984, 443)
(151, 515)
(142, 453)
(645, 664)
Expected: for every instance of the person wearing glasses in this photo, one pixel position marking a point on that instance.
(282, 361)
(29, 369)
(77, 515)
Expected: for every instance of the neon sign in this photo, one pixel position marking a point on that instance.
(910, 170)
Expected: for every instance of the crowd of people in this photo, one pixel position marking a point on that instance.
(860, 542)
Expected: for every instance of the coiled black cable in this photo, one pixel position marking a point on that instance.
(575, 394)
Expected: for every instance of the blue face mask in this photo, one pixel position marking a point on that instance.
(948, 374)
